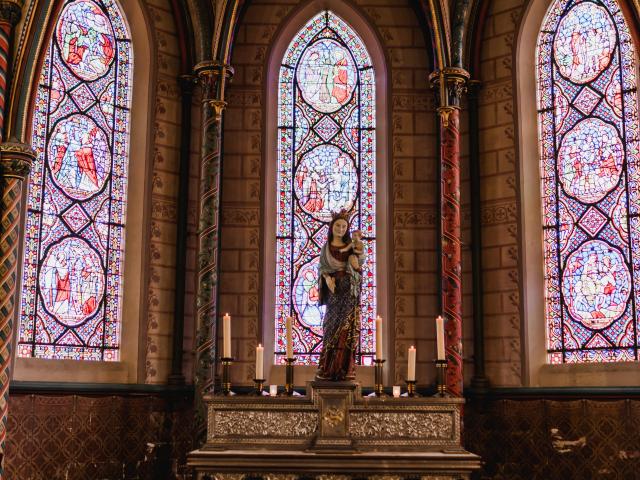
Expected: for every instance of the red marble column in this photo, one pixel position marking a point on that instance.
(9, 17)
(15, 163)
(451, 85)
(451, 261)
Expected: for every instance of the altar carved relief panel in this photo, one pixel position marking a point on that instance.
(415, 425)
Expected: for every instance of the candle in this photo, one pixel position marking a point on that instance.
(440, 337)
(259, 362)
(273, 390)
(289, 338)
(226, 335)
(396, 391)
(378, 338)
(411, 368)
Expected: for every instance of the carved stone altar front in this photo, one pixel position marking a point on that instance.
(333, 433)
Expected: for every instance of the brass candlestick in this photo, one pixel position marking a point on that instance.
(226, 377)
(441, 378)
(379, 388)
(288, 385)
(411, 388)
(258, 386)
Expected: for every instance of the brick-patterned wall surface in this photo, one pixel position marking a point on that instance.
(74, 437)
(499, 195)
(166, 164)
(542, 439)
(413, 161)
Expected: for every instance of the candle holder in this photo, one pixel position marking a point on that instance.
(226, 377)
(288, 385)
(411, 388)
(379, 388)
(441, 378)
(258, 386)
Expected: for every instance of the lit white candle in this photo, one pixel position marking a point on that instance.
(273, 390)
(396, 391)
(260, 362)
(411, 367)
(440, 337)
(226, 336)
(289, 338)
(378, 338)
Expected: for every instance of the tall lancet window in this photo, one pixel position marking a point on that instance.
(74, 247)
(588, 130)
(326, 163)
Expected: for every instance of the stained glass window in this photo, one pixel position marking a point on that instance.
(588, 131)
(73, 260)
(326, 163)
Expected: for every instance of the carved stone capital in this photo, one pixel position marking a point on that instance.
(16, 159)
(10, 11)
(213, 77)
(450, 84)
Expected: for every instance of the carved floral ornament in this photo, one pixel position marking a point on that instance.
(266, 423)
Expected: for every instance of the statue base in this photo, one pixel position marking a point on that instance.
(335, 431)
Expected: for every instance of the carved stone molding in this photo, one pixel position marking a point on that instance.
(16, 159)
(10, 11)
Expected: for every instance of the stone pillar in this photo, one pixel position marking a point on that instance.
(15, 163)
(450, 83)
(9, 15)
(212, 77)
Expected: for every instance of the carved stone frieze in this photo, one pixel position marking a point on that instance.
(424, 425)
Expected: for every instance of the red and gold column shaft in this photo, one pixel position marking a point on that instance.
(15, 164)
(451, 83)
(9, 16)
(213, 77)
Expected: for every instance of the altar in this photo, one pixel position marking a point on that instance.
(333, 432)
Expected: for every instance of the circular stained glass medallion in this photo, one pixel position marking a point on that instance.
(86, 39)
(596, 284)
(590, 160)
(71, 281)
(327, 75)
(584, 42)
(78, 156)
(326, 181)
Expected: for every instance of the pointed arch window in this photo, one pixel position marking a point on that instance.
(74, 236)
(588, 134)
(326, 163)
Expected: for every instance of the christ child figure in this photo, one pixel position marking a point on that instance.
(356, 247)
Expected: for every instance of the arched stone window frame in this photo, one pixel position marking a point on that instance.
(537, 371)
(290, 27)
(130, 367)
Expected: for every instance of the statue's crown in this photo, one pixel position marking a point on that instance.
(342, 214)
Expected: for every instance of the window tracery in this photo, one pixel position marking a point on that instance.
(588, 134)
(74, 234)
(326, 163)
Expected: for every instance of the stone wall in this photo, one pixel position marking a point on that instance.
(500, 196)
(164, 200)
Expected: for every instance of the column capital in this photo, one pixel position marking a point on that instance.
(10, 11)
(213, 77)
(451, 85)
(16, 159)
